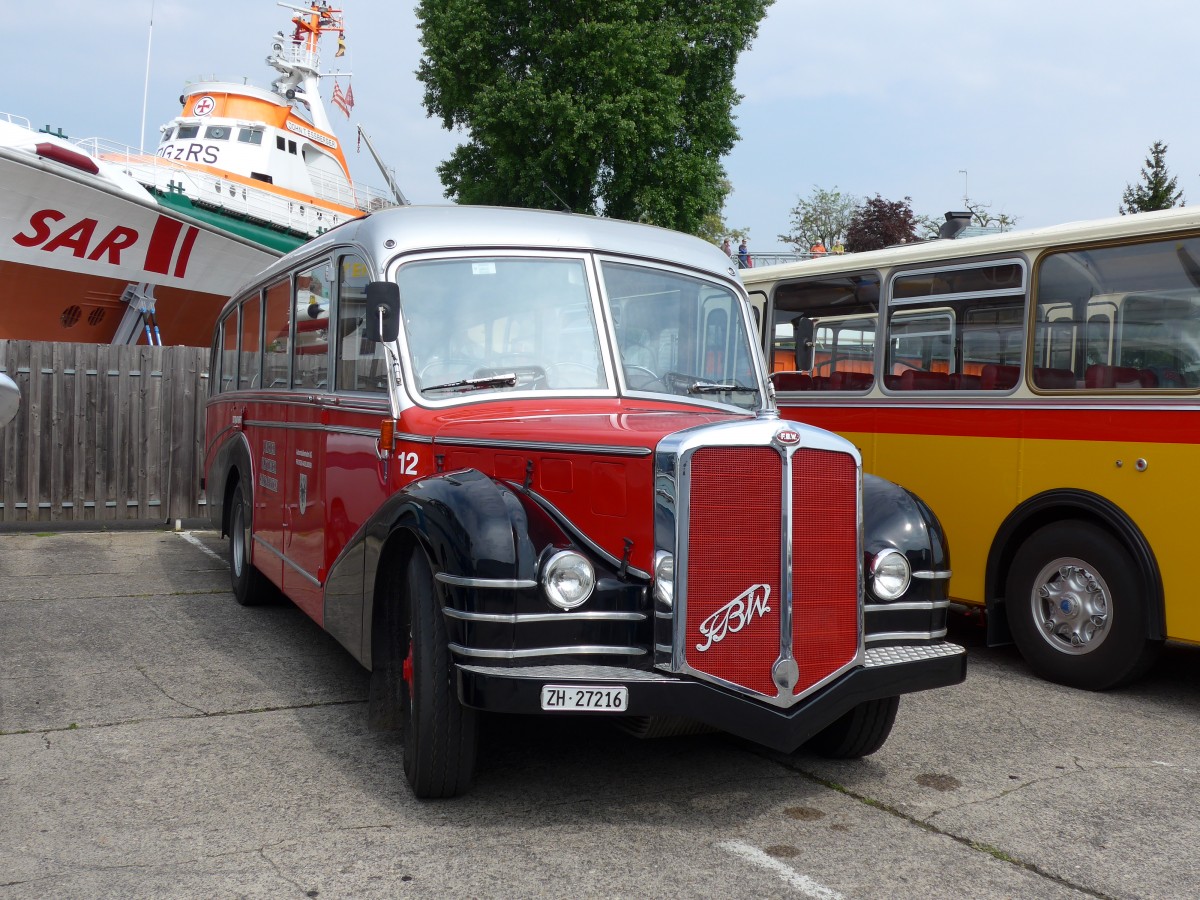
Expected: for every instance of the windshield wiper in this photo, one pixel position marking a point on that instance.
(708, 387)
(509, 379)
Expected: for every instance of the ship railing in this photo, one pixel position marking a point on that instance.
(258, 205)
(19, 121)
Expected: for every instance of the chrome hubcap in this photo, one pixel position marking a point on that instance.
(1071, 604)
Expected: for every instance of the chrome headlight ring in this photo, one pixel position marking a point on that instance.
(891, 574)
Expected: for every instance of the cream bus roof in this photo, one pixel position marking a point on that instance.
(1148, 223)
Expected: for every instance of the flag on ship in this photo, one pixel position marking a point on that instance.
(343, 101)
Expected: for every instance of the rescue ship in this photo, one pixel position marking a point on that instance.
(103, 243)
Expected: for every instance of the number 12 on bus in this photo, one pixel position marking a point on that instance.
(1041, 391)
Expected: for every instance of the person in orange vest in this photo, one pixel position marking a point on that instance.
(817, 249)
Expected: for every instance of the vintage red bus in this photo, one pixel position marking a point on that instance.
(1040, 390)
(526, 462)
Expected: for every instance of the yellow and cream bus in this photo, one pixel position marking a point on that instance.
(1040, 389)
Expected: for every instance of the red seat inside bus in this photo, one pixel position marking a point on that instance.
(1054, 379)
(916, 380)
(792, 381)
(851, 381)
(999, 378)
(1101, 376)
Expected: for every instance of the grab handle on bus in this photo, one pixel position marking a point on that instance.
(383, 311)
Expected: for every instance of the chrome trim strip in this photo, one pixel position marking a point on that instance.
(548, 447)
(532, 653)
(521, 618)
(906, 636)
(891, 656)
(263, 543)
(940, 575)
(577, 672)
(908, 605)
(503, 583)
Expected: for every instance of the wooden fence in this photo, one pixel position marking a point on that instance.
(104, 434)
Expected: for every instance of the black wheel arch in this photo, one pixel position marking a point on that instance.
(1056, 506)
(231, 465)
(467, 523)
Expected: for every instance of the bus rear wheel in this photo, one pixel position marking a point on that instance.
(439, 732)
(859, 732)
(1076, 607)
(250, 586)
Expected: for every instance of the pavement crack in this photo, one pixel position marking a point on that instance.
(142, 671)
(978, 846)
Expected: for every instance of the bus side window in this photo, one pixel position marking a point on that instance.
(310, 346)
(359, 362)
(227, 353)
(276, 335)
(249, 357)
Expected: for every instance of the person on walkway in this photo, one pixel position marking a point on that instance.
(744, 261)
(817, 249)
(726, 249)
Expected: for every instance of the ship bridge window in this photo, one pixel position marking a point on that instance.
(217, 132)
(250, 135)
(280, 143)
(188, 131)
(168, 132)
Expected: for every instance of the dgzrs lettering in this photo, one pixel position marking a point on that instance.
(268, 482)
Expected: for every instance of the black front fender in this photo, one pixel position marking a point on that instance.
(470, 525)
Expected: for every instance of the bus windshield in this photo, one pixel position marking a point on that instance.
(481, 325)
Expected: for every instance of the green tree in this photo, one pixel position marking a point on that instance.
(880, 223)
(617, 107)
(821, 217)
(1157, 189)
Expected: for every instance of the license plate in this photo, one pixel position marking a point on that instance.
(581, 698)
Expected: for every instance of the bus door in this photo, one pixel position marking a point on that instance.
(267, 432)
(304, 571)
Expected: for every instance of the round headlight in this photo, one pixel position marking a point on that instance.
(568, 579)
(890, 574)
(664, 577)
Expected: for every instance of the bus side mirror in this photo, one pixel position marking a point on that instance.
(802, 337)
(383, 311)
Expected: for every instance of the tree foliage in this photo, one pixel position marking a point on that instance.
(822, 217)
(619, 107)
(879, 223)
(1157, 190)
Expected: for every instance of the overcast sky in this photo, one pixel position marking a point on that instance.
(1049, 107)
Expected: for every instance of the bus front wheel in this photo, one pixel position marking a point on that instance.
(859, 732)
(439, 732)
(250, 586)
(1076, 607)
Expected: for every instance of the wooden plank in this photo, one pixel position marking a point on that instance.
(104, 433)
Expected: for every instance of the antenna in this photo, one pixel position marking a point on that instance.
(565, 207)
(146, 86)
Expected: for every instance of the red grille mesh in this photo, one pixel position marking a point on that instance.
(824, 563)
(733, 545)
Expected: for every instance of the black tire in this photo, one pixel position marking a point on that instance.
(859, 732)
(250, 586)
(1076, 607)
(439, 732)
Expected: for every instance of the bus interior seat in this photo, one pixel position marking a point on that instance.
(851, 381)
(916, 380)
(792, 381)
(1054, 379)
(1102, 376)
(999, 378)
(961, 381)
